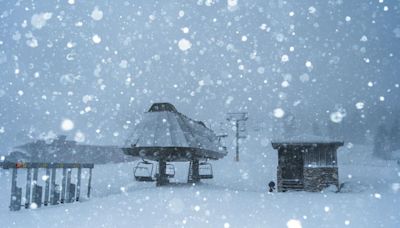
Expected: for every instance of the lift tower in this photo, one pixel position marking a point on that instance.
(239, 118)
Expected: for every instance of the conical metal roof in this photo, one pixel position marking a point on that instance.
(164, 129)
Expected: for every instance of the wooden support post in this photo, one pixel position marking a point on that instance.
(53, 198)
(47, 189)
(68, 187)
(36, 190)
(13, 184)
(35, 175)
(89, 183)
(78, 187)
(34, 182)
(28, 187)
(63, 184)
(15, 201)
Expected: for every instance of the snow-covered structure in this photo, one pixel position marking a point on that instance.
(307, 163)
(165, 134)
(62, 150)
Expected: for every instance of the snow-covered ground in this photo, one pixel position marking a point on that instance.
(237, 197)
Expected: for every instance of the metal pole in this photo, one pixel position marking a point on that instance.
(28, 188)
(13, 187)
(237, 117)
(46, 191)
(78, 187)
(63, 185)
(90, 182)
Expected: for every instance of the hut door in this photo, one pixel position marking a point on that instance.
(293, 173)
(292, 170)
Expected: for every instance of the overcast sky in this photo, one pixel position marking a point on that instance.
(103, 63)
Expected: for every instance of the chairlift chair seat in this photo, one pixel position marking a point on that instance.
(205, 170)
(143, 172)
(144, 179)
(170, 171)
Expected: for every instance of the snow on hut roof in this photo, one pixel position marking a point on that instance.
(163, 126)
(305, 139)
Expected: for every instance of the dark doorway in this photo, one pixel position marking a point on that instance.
(292, 163)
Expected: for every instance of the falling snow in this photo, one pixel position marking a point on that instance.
(38, 21)
(97, 14)
(278, 113)
(96, 39)
(184, 44)
(67, 125)
(88, 71)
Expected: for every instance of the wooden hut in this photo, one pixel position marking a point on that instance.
(307, 163)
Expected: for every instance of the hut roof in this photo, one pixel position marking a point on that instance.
(305, 140)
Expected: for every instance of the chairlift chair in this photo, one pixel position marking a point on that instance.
(144, 171)
(205, 170)
(170, 171)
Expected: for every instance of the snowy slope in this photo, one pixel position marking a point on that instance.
(237, 197)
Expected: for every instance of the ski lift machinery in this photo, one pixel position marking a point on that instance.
(187, 140)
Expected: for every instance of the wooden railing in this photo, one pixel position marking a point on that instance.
(34, 193)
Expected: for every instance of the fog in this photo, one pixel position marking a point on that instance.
(102, 64)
